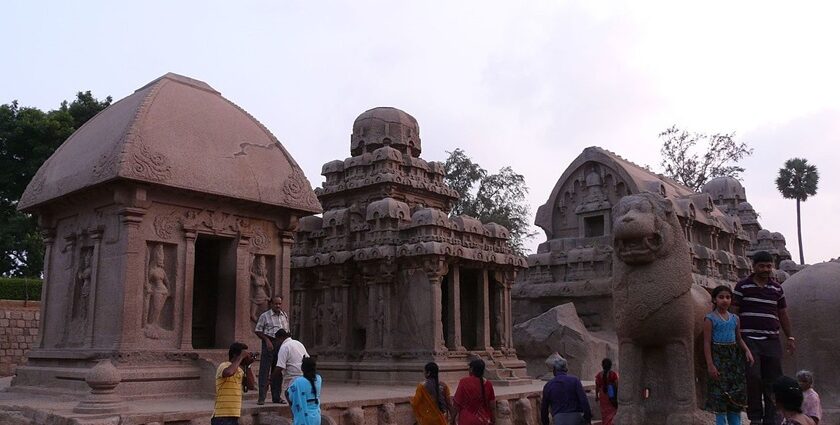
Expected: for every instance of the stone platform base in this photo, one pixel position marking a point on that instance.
(342, 404)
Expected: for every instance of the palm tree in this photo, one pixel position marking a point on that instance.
(798, 180)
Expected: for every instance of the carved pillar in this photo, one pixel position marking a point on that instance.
(370, 334)
(96, 237)
(454, 319)
(436, 269)
(484, 330)
(386, 323)
(48, 235)
(133, 278)
(282, 283)
(189, 277)
(344, 297)
(242, 307)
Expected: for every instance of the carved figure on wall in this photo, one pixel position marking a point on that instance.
(320, 316)
(379, 322)
(334, 316)
(82, 292)
(296, 315)
(157, 292)
(658, 312)
(260, 287)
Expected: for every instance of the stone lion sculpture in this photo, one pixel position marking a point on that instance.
(658, 314)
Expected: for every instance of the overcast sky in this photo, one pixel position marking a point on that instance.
(528, 84)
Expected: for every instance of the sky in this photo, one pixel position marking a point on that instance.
(525, 84)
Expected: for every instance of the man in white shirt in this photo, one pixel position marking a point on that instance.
(267, 326)
(289, 358)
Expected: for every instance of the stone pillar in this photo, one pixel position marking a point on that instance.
(436, 269)
(189, 277)
(96, 236)
(133, 277)
(282, 281)
(454, 319)
(484, 311)
(48, 235)
(370, 335)
(242, 307)
(386, 333)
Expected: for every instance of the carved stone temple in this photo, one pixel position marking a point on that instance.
(386, 280)
(574, 264)
(168, 222)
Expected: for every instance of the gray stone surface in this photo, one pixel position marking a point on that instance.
(560, 330)
(813, 297)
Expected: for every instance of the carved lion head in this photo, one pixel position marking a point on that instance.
(642, 228)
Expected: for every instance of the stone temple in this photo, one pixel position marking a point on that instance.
(575, 265)
(168, 223)
(386, 280)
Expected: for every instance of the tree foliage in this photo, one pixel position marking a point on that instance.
(682, 162)
(28, 136)
(798, 180)
(492, 198)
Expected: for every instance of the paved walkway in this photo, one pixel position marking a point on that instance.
(336, 395)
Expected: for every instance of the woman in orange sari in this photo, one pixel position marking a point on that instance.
(431, 402)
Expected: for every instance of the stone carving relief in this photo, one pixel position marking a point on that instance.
(334, 314)
(503, 413)
(150, 164)
(297, 310)
(260, 287)
(166, 225)
(106, 165)
(157, 291)
(260, 239)
(387, 415)
(296, 191)
(82, 284)
(524, 412)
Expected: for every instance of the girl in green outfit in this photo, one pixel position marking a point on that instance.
(722, 346)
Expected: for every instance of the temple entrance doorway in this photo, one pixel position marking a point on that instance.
(214, 292)
(470, 308)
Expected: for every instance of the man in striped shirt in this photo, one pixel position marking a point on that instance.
(760, 303)
(267, 326)
(229, 376)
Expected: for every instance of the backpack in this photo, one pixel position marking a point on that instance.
(611, 390)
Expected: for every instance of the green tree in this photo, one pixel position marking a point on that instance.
(498, 198)
(682, 162)
(798, 180)
(28, 136)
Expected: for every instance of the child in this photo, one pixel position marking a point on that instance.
(788, 397)
(727, 385)
(811, 404)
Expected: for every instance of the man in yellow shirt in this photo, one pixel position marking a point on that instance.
(229, 385)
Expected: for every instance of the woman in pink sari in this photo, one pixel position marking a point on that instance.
(475, 401)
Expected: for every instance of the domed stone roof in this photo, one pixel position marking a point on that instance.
(385, 126)
(181, 133)
(725, 188)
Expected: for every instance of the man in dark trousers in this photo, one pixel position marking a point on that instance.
(760, 303)
(267, 326)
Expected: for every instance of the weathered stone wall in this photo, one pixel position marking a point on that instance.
(18, 332)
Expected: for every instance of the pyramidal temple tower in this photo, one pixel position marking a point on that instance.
(386, 280)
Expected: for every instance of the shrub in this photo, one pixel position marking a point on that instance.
(20, 288)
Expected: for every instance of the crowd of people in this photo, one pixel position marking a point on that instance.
(742, 349)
